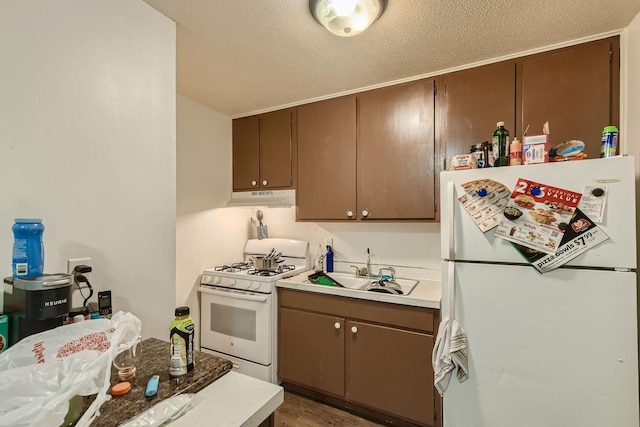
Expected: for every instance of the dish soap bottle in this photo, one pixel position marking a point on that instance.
(500, 145)
(319, 258)
(328, 259)
(181, 338)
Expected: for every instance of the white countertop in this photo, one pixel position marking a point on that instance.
(427, 293)
(232, 400)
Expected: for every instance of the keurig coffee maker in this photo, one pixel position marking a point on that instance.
(36, 304)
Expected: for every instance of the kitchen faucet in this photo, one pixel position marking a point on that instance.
(390, 270)
(359, 271)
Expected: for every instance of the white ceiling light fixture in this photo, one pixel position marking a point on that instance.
(346, 18)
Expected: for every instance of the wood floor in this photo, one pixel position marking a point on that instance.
(298, 411)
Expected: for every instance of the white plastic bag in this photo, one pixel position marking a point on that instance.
(40, 373)
(164, 411)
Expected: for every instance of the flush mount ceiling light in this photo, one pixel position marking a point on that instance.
(346, 18)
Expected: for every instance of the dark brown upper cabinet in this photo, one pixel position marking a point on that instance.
(469, 103)
(396, 175)
(263, 151)
(576, 89)
(369, 156)
(326, 188)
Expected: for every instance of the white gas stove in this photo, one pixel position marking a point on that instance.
(238, 309)
(294, 259)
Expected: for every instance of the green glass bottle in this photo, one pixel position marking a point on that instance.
(500, 146)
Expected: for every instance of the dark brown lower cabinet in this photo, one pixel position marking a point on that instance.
(315, 350)
(363, 354)
(389, 369)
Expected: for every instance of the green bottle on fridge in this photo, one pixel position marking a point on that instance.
(500, 146)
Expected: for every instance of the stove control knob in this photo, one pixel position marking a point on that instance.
(255, 286)
(210, 280)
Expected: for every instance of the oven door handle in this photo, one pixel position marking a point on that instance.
(234, 295)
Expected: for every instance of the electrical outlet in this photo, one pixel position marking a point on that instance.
(328, 241)
(72, 262)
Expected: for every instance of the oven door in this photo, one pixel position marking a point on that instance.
(237, 323)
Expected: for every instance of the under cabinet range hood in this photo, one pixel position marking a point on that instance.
(268, 198)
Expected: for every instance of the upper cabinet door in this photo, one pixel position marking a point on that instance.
(469, 103)
(575, 89)
(326, 188)
(396, 177)
(246, 153)
(275, 150)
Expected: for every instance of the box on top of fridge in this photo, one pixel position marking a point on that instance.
(535, 148)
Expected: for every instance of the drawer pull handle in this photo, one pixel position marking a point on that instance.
(354, 329)
(337, 325)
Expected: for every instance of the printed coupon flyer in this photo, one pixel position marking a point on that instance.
(537, 215)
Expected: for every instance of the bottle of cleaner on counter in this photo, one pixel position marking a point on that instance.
(319, 265)
(181, 338)
(328, 259)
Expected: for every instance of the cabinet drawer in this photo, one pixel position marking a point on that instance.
(403, 316)
(320, 303)
(416, 318)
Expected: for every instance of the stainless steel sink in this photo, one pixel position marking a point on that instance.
(349, 281)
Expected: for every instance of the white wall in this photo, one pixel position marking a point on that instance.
(205, 236)
(630, 90)
(87, 143)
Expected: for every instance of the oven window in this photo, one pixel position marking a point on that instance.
(233, 321)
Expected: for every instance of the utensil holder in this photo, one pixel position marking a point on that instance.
(263, 233)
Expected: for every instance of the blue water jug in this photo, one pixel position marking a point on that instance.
(28, 250)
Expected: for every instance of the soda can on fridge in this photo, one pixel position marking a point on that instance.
(609, 141)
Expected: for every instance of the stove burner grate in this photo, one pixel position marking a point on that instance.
(282, 268)
(235, 267)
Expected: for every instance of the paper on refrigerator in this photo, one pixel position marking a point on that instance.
(546, 226)
(582, 235)
(484, 200)
(537, 215)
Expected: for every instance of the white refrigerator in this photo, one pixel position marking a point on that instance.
(558, 349)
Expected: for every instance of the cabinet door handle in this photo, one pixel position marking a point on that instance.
(365, 213)
(354, 329)
(254, 183)
(264, 182)
(337, 325)
(350, 214)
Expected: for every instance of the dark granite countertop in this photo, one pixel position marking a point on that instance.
(155, 360)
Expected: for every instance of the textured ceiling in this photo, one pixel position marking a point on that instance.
(245, 56)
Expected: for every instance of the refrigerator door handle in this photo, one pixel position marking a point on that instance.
(449, 238)
(451, 294)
